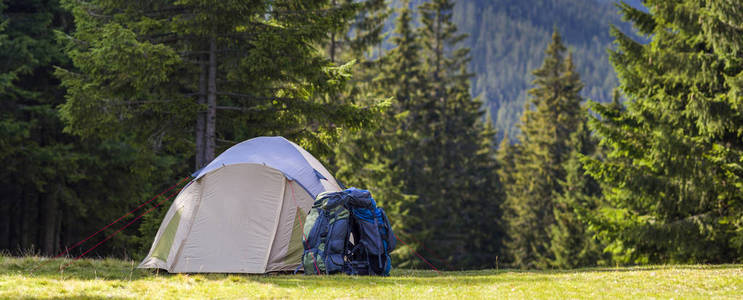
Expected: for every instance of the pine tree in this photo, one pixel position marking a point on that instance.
(431, 149)
(506, 156)
(163, 69)
(376, 158)
(56, 187)
(450, 152)
(483, 209)
(673, 164)
(361, 37)
(33, 148)
(545, 147)
(572, 244)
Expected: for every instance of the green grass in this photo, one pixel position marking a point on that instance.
(110, 278)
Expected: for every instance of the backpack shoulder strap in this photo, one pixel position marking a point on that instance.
(390, 236)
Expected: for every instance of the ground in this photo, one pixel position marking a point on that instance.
(110, 278)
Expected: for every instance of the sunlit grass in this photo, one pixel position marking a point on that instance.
(112, 278)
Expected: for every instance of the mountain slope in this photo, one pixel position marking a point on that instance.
(508, 38)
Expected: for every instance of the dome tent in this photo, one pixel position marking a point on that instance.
(243, 212)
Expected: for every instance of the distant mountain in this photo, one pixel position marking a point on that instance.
(508, 39)
(633, 3)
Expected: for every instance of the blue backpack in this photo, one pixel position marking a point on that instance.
(347, 233)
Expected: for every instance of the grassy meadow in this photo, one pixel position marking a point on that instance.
(111, 278)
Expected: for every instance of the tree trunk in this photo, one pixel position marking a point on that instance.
(211, 112)
(332, 41)
(6, 204)
(201, 117)
(16, 220)
(332, 47)
(58, 235)
(30, 223)
(49, 222)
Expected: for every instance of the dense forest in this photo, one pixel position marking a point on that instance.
(494, 133)
(508, 38)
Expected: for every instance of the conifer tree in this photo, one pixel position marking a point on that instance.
(551, 116)
(33, 148)
(506, 157)
(483, 209)
(163, 69)
(360, 37)
(358, 41)
(432, 181)
(432, 166)
(376, 159)
(54, 186)
(673, 170)
(450, 182)
(572, 244)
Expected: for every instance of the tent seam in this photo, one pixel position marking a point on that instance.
(276, 222)
(177, 255)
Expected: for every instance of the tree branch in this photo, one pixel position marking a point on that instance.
(254, 97)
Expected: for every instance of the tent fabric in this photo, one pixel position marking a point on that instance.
(279, 153)
(230, 234)
(240, 215)
(161, 250)
(286, 253)
(184, 205)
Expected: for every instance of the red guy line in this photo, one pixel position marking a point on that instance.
(119, 219)
(419, 256)
(122, 228)
(431, 254)
(67, 249)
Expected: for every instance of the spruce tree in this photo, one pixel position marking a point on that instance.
(572, 244)
(163, 69)
(33, 148)
(506, 156)
(357, 41)
(359, 37)
(673, 164)
(483, 207)
(54, 186)
(431, 150)
(551, 116)
(376, 159)
(449, 181)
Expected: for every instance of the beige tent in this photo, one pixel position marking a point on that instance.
(242, 213)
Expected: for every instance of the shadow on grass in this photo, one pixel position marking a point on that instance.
(356, 282)
(630, 269)
(86, 269)
(113, 269)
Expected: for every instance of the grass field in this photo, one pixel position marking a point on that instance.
(109, 278)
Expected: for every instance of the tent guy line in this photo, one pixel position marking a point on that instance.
(423, 249)
(419, 256)
(68, 249)
(243, 192)
(236, 215)
(122, 228)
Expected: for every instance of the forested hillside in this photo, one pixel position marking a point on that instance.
(508, 37)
